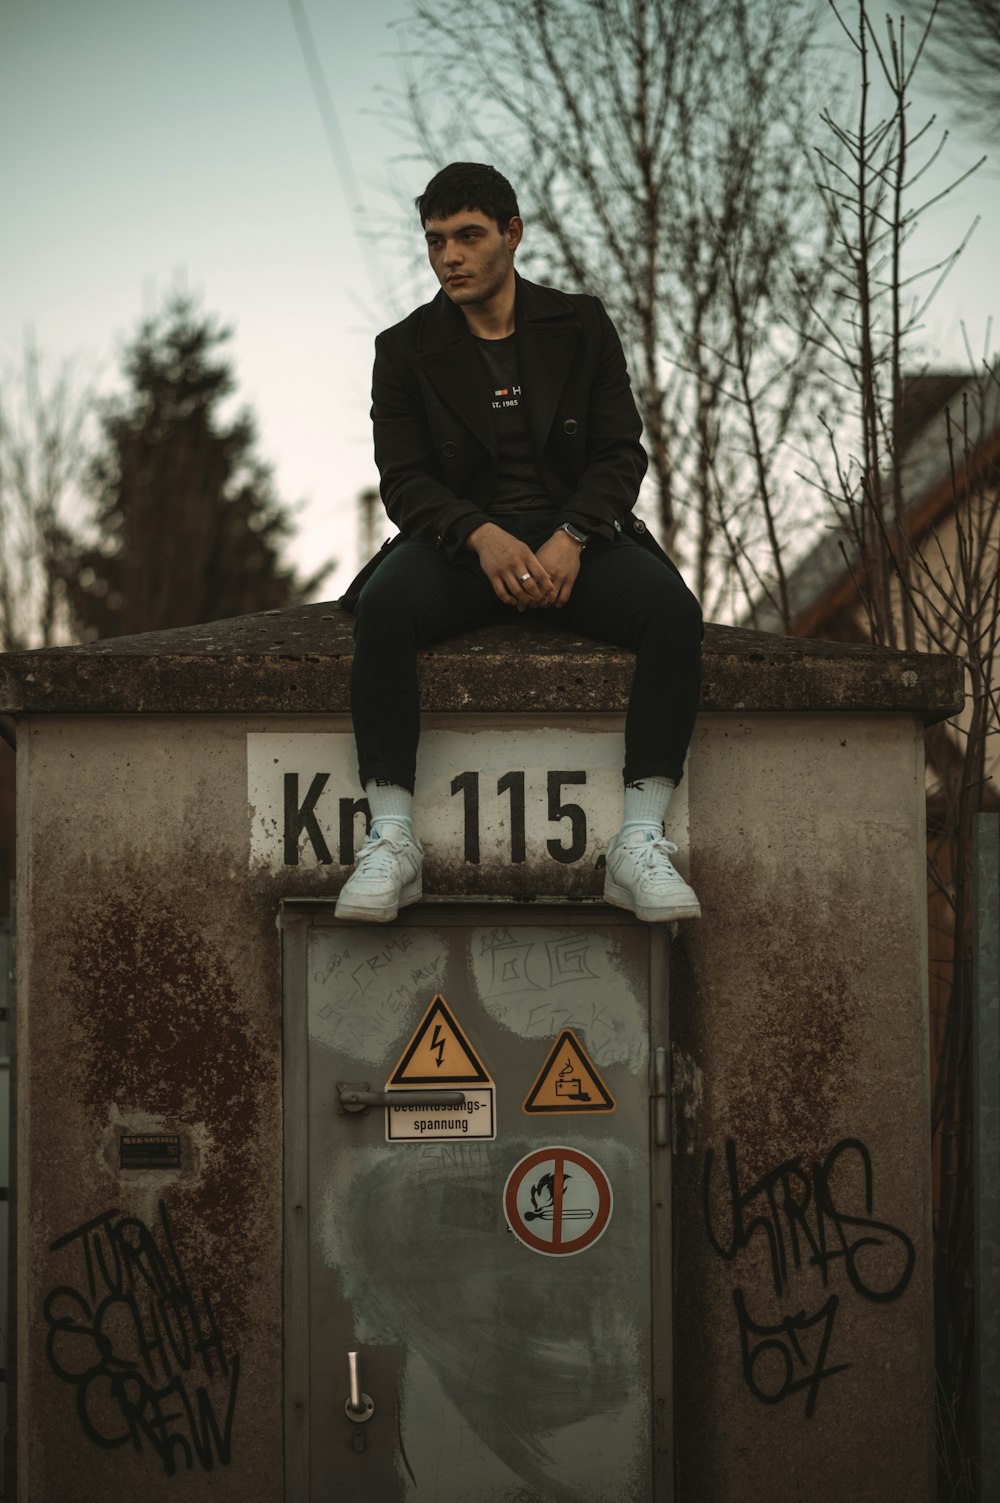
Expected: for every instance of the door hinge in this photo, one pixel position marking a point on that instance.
(661, 1099)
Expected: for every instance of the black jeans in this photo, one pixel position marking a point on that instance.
(623, 595)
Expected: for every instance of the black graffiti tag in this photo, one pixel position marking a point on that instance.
(799, 1217)
(769, 1363)
(796, 1213)
(144, 1352)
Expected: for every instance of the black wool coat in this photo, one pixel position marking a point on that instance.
(435, 445)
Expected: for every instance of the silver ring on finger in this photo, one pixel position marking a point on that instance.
(523, 577)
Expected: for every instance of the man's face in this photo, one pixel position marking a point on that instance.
(472, 260)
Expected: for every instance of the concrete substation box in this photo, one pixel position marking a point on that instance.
(516, 1200)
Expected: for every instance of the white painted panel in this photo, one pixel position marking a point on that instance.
(474, 789)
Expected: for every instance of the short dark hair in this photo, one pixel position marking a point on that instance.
(468, 185)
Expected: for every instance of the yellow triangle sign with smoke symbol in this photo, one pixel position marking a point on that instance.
(568, 1082)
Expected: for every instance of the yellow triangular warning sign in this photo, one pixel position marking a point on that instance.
(568, 1082)
(438, 1053)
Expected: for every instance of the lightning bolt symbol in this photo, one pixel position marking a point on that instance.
(438, 1044)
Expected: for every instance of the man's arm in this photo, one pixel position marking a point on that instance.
(560, 558)
(606, 491)
(416, 499)
(608, 488)
(422, 506)
(518, 576)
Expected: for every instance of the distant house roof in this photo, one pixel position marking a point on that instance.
(824, 580)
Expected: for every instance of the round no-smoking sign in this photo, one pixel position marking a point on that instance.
(557, 1201)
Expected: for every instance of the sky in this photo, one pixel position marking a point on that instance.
(152, 146)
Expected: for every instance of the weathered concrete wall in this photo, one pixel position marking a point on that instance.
(150, 1000)
(802, 1196)
(150, 994)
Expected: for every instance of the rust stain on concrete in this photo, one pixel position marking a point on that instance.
(162, 1030)
(793, 1011)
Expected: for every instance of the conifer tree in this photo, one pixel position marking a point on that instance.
(188, 526)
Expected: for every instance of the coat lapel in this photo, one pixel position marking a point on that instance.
(451, 363)
(547, 338)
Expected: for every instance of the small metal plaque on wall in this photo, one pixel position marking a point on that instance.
(150, 1150)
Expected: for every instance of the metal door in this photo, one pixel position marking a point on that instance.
(507, 1296)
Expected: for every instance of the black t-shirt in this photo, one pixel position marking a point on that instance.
(520, 498)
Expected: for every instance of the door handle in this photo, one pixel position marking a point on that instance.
(358, 1098)
(359, 1407)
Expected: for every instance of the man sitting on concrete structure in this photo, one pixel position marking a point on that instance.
(507, 439)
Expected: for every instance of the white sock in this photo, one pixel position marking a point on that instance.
(646, 803)
(390, 806)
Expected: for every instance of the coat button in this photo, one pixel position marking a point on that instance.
(638, 526)
(570, 425)
(449, 450)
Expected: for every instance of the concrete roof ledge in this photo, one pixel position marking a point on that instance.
(297, 661)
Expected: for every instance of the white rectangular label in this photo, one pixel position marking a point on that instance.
(452, 1124)
(549, 797)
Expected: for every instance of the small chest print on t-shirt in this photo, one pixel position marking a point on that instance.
(506, 396)
(519, 486)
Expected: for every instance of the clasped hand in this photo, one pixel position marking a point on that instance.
(505, 560)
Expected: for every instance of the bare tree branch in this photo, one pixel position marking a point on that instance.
(43, 424)
(659, 148)
(965, 48)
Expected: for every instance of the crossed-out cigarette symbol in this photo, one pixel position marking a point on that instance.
(544, 1209)
(535, 1200)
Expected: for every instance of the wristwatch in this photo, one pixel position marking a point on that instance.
(574, 532)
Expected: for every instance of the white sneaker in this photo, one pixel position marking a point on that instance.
(640, 876)
(386, 877)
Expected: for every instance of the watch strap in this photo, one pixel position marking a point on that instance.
(574, 532)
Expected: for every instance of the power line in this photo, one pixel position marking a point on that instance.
(338, 145)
